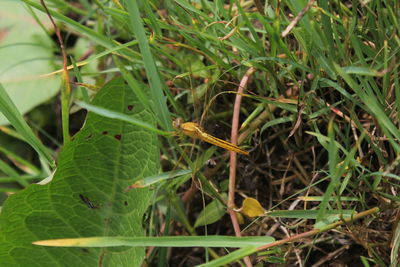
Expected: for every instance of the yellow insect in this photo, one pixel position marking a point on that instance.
(194, 130)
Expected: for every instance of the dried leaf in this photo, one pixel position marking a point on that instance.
(252, 208)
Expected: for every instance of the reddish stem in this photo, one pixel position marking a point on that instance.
(233, 155)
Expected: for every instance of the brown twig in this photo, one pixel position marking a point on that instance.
(233, 155)
(320, 230)
(229, 35)
(60, 40)
(297, 18)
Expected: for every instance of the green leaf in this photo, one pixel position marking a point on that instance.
(87, 195)
(26, 52)
(211, 213)
(165, 241)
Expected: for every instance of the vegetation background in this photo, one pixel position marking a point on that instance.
(319, 114)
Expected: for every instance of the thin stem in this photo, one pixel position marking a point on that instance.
(233, 155)
(320, 230)
(66, 88)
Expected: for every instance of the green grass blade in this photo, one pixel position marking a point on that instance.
(231, 257)
(11, 112)
(78, 27)
(156, 85)
(5, 168)
(333, 173)
(394, 255)
(28, 167)
(308, 214)
(165, 241)
(374, 106)
(147, 181)
(120, 116)
(84, 92)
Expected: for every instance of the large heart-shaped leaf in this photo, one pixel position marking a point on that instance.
(26, 52)
(87, 196)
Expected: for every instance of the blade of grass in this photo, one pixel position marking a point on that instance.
(11, 112)
(394, 254)
(309, 214)
(164, 241)
(147, 181)
(96, 37)
(387, 126)
(106, 52)
(231, 257)
(156, 86)
(256, 39)
(120, 116)
(191, 8)
(4, 167)
(20, 162)
(79, 79)
(333, 173)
